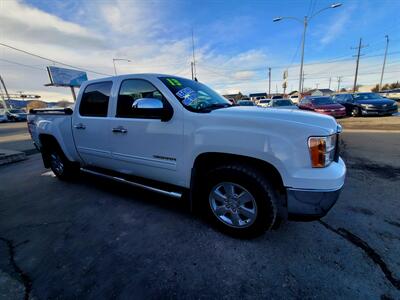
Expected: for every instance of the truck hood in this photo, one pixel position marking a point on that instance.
(295, 116)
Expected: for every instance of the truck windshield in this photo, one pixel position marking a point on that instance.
(194, 95)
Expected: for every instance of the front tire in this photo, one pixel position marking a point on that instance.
(240, 201)
(356, 112)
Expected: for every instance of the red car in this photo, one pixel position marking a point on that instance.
(323, 105)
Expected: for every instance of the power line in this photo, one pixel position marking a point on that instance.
(20, 64)
(52, 60)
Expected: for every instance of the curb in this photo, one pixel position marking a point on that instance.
(9, 156)
(371, 130)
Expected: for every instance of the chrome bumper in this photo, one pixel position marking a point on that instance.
(310, 204)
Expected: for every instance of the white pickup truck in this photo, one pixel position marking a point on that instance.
(246, 168)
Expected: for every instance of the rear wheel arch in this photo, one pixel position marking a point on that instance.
(50, 149)
(48, 142)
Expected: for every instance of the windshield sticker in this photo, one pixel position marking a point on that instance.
(187, 94)
(174, 82)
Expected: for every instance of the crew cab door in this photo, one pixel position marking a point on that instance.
(91, 127)
(143, 144)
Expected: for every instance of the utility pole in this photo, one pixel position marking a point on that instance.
(339, 79)
(6, 92)
(360, 46)
(276, 88)
(5, 88)
(191, 66)
(384, 62)
(317, 85)
(269, 82)
(330, 79)
(302, 84)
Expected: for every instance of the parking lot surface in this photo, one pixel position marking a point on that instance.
(15, 136)
(96, 239)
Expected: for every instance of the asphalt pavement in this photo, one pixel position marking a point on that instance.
(15, 136)
(96, 239)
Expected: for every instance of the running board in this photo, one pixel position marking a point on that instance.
(177, 195)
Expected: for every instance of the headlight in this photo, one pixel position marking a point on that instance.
(366, 105)
(322, 150)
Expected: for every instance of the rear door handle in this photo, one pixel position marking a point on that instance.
(80, 126)
(119, 129)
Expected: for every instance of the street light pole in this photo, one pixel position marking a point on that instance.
(305, 22)
(118, 59)
(302, 54)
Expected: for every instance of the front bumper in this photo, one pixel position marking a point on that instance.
(334, 113)
(308, 205)
(378, 111)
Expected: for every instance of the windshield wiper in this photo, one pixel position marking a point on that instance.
(215, 106)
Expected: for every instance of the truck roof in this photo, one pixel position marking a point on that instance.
(138, 75)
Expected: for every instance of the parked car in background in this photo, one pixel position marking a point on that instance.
(294, 98)
(245, 103)
(282, 103)
(323, 105)
(263, 102)
(277, 97)
(3, 116)
(365, 104)
(16, 115)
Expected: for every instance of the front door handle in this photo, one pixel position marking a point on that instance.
(80, 126)
(119, 129)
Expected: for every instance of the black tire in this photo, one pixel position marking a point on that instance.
(356, 112)
(257, 185)
(60, 165)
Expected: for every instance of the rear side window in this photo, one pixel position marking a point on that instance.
(131, 90)
(95, 99)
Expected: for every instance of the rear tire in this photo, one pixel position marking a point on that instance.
(60, 165)
(239, 200)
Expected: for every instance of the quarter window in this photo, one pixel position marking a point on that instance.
(95, 99)
(131, 90)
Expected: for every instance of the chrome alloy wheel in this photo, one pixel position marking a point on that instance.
(233, 204)
(56, 163)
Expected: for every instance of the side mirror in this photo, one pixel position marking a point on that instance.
(152, 108)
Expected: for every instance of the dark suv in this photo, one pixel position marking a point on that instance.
(365, 104)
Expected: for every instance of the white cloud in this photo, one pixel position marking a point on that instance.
(19, 21)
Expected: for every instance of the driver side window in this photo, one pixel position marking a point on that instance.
(131, 90)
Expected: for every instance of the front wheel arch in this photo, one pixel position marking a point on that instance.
(207, 161)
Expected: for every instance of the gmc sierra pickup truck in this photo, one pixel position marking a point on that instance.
(246, 168)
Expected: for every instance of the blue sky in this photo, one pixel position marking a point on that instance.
(235, 40)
